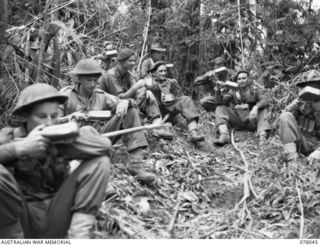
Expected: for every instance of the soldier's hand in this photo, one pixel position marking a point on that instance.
(32, 145)
(122, 108)
(150, 96)
(253, 114)
(315, 155)
(148, 82)
(77, 116)
(139, 84)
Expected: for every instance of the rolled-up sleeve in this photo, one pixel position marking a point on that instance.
(109, 83)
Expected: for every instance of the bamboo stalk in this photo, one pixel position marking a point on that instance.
(145, 35)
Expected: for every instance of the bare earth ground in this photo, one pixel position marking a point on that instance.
(199, 190)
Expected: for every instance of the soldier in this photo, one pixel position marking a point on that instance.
(248, 109)
(38, 198)
(206, 86)
(85, 97)
(119, 82)
(300, 122)
(167, 94)
(156, 54)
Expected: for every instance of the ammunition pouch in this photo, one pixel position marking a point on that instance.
(307, 125)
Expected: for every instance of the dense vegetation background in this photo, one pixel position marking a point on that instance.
(200, 191)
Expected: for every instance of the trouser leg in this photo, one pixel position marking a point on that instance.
(185, 106)
(226, 115)
(11, 206)
(150, 108)
(131, 119)
(82, 192)
(289, 132)
(262, 121)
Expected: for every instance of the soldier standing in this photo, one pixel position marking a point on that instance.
(38, 198)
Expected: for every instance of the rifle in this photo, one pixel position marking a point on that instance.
(136, 129)
(70, 130)
(220, 72)
(309, 93)
(92, 115)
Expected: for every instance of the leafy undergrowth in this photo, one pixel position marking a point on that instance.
(199, 190)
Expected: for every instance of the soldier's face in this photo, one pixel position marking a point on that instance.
(161, 72)
(88, 83)
(46, 113)
(242, 79)
(129, 63)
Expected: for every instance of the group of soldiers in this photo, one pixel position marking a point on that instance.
(42, 196)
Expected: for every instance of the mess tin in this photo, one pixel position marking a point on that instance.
(220, 72)
(167, 98)
(111, 53)
(309, 93)
(169, 65)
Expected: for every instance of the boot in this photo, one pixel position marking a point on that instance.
(135, 167)
(80, 226)
(224, 137)
(162, 132)
(290, 152)
(193, 135)
(262, 137)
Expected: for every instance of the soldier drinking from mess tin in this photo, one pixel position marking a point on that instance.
(119, 82)
(168, 96)
(39, 198)
(244, 108)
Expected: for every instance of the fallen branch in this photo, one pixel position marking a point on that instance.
(175, 213)
(247, 185)
(302, 213)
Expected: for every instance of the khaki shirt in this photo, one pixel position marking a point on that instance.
(40, 177)
(115, 81)
(99, 100)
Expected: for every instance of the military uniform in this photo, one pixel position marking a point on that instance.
(205, 91)
(239, 118)
(115, 82)
(300, 124)
(175, 104)
(146, 67)
(101, 100)
(38, 196)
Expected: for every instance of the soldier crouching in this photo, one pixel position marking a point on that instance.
(300, 121)
(38, 196)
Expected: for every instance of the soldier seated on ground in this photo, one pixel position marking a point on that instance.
(244, 108)
(166, 93)
(38, 198)
(85, 97)
(206, 84)
(300, 121)
(156, 54)
(119, 82)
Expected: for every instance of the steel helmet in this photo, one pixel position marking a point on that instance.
(308, 77)
(87, 66)
(36, 93)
